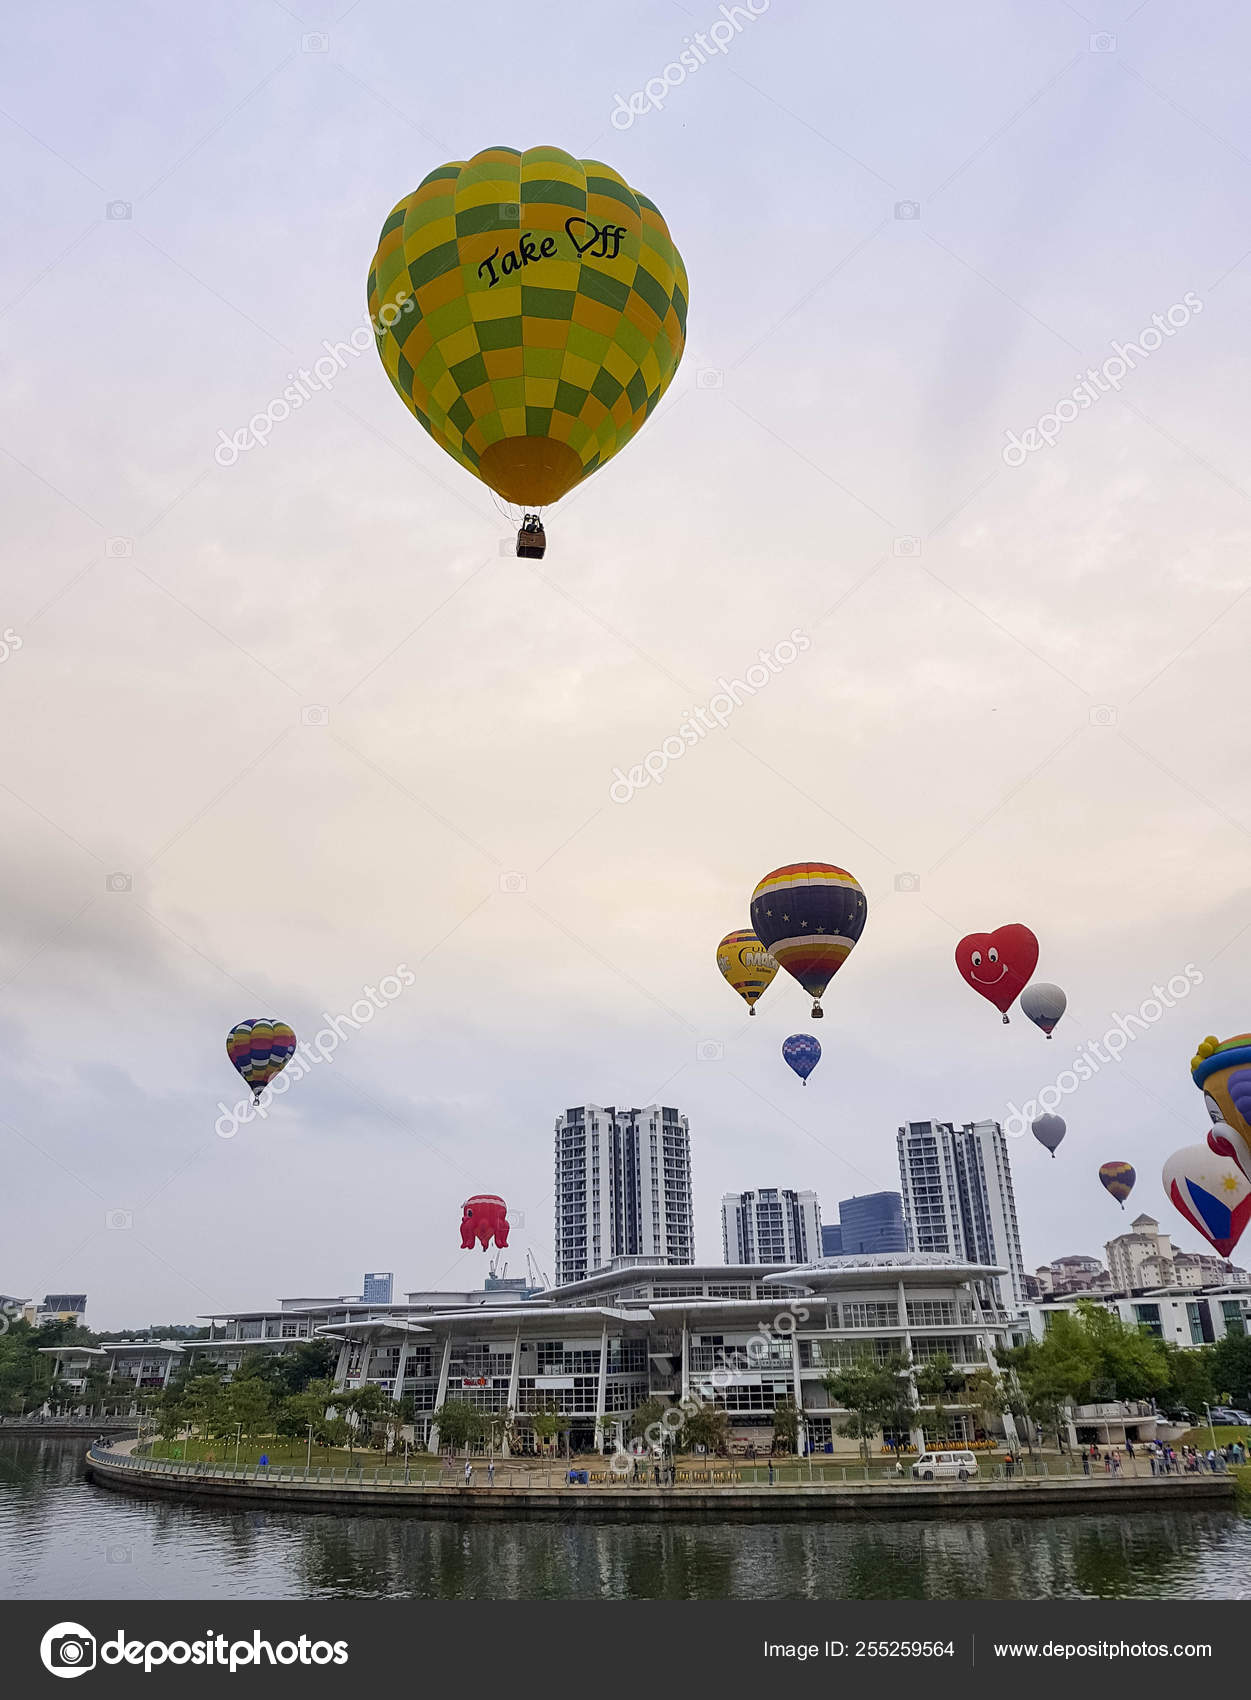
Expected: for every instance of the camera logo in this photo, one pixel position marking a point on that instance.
(1102, 42)
(907, 882)
(1103, 714)
(117, 548)
(709, 1050)
(510, 212)
(118, 882)
(710, 378)
(119, 1219)
(907, 209)
(317, 42)
(315, 714)
(118, 209)
(512, 882)
(68, 1649)
(906, 546)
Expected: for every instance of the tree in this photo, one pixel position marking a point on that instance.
(786, 1427)
(985, 1396)
(1129, 1361)
(644, 1416)
(1191, 1378)
(246, 1407)
(936, 1383)
(547, 1425)
(707, 1426)
(1231, 1367)
(870, 1391)
(459, 1423)
(310, 1410)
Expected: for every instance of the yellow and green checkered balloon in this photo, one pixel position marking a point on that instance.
(530, 308)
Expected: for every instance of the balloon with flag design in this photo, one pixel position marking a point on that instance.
(809, 916)
(1211, 1193)
(260, 1049)
(1119, 1180)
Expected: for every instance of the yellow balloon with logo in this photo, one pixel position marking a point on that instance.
(747, 965)
(530, 309)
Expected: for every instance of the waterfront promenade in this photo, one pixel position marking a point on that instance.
(426, 1489)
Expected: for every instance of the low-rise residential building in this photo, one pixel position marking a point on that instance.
(1181, 1315)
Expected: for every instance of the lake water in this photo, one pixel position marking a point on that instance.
(61, 1538)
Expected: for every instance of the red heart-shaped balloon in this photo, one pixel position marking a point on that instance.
(999, 964)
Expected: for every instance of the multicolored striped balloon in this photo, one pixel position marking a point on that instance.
(1119, 1180)
(809, 915)
(747, 965)
(260, 1049)
(530, 310)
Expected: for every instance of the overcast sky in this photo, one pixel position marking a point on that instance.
(277, 727)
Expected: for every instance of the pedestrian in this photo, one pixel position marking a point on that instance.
(1085, 1462)
(1155, 1462)
(491, 1473)
(1212, 1460)
(770, 1472)
(1129, 1448)
(468, 1473)
(1107, 1463)
(1116, 1460)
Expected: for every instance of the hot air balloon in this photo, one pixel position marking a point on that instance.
(1119, 1180)
(260, 1049)
(1211, 1193)
(484, 1217)
(998, 964)
(802, 1053)
(1048, 1130)
(1043, 1004)
(747, 965)
(1221, 1069)
(530, 309)
(809, 915)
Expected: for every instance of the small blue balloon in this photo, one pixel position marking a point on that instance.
(802, 1052)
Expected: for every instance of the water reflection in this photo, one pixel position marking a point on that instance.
(60, 1537)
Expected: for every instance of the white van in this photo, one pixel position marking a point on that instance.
(932, 1465)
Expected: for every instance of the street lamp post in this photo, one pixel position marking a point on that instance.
(308, 1460)
(238, 1438)
(1211, 1427)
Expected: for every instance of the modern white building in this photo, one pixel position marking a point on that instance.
(771, 1225)
(1180, 1315)
(623, 1188)
(378, 1288)
(958, 1199)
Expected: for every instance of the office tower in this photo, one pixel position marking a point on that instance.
(872, 1222)
(771, 1225)
(623, 1188)
(957, 1193)
(377, 1289)
(831, 1240)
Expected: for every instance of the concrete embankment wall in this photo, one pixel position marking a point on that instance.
(693, 1504)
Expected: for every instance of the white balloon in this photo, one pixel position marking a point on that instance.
(1044, 1004)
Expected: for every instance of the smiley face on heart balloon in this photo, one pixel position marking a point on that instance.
(998, 965)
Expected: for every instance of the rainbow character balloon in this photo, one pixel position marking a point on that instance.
(260, 1049)
(1221, 1069)
(746, 965)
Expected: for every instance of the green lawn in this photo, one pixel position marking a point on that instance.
(1201, 1437)
(280, 1452)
